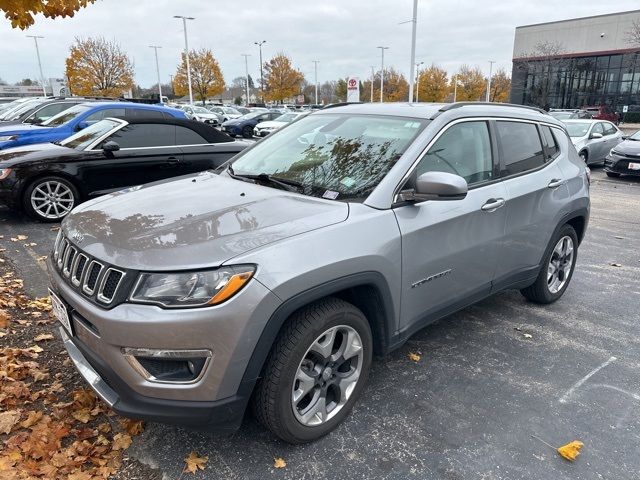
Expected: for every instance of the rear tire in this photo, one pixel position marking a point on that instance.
(557, 268)
(612, 174)
(584, 157)
(50, 199)
(315, 372)
(247, 132)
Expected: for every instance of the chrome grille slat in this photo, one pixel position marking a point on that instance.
(91, 277)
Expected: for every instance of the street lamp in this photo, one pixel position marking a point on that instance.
(418, 80)
(455, 87)
(372, 77)
(35, 39)
(491, 62)
(155, 48)
(246, 73)
(315, 63)
(186, 49)
(414, 21)
(261, 77)
(382, 49)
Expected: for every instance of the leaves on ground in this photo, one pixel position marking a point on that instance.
(571, 450)
(414, 357)
(8, 420)
(279, 463)
(42, 337)
(195, 462)
(19, 238)
(527, 335)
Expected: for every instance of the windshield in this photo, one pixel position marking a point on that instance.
(233, 111)
(87, 136)
(287, 117)
(251, 115)
(66, 116)
(561, 115)
(635, 136)
(577, 129)
(334, 156)
(14, 112)
(200, 110)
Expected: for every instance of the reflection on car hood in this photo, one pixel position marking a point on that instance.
(195, 221)
(628, 147)
(271, 124)
(18, 129)
(33, 153)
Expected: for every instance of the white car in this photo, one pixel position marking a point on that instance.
(225, 113)
(265, 128)
(201, 114)
(593, 139)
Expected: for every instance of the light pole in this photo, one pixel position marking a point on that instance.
(382, 49)
(35, 39)
(155, 48)
(414, 22)
(418, 80)
(455, 87)
(261, 77)
(372, 77)
(246, 76)
(315, 63)
(186, 50)
(491, 62)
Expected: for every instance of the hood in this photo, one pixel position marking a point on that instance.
(196, 221)
(271, 124)
(206, 115)
(20, 129)
(31, 153)
(628, 147)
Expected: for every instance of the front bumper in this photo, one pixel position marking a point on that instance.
(216, 401)
(619, 164)
(232, 130)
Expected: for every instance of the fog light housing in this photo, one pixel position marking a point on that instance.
(168, 366)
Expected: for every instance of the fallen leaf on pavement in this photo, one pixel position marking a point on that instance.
(8, 420)
(571, 450)
(616, 264)
(121, 441)
(414, 357)
(42, 337)
(83, 415)
(279, 463)
(527, 335)
(4, 319)
(19, 238)
(194, 462)
(133, 427)
(33, 418)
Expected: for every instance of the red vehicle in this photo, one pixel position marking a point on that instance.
(603, 112)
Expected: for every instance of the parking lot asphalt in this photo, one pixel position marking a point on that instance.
(489, 378)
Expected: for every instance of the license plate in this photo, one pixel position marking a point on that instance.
(634, 166)
(60, 311)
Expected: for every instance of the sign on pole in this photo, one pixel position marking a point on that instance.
(353, 90)
(625, 108)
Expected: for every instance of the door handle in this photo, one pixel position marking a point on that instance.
(555, 183)
(170, 162)
(493, 204)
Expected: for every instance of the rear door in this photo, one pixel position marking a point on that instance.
(536, 195)
(147, 153)
(450, 248)
(598, 146)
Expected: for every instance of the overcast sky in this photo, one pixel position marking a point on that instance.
(341, 34)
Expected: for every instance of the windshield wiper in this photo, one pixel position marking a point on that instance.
(285, 184)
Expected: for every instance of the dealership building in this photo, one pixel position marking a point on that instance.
(580, 62)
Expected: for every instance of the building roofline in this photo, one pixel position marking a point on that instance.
(596, 53)
(578, 19)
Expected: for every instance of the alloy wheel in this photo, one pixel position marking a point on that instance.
(52, 199)
(327, 375)
(560, 264)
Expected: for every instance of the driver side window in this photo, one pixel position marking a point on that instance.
(597, 128)
(465, 150)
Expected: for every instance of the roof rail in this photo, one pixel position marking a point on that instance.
(339, 104)
(451, 106)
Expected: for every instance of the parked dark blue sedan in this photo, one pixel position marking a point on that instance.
(76, 118)
(245, 124)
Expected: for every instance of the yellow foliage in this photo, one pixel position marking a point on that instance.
(500, 86)
(21, 12)
(206, 76)
(471, 84)
(281, 80)
(98, 67)
(433, 84)
(571, 450)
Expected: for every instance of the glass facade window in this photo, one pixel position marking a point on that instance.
(612, 80)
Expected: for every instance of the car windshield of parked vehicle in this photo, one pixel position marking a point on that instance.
(230, 110)
(635, 136)
(562, 115)
(287, 117)
(577, 129)
(66, 116)
(251, 115)
(89, 135)
(334, 156)
(200, 110)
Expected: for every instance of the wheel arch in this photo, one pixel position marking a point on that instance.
(69, 178)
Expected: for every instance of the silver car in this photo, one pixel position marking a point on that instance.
(593, 139)
(276, 279)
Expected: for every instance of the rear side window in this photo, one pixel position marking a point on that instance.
(186, 136)
(521, 147)
(609, 129)
(549, 143)
(106, 113)
(143, 135)
(143, 113)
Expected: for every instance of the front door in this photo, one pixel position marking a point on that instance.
(450, 248)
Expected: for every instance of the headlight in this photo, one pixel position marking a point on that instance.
(612, 152)
(4, 173)
(191, 289)
(7, 138)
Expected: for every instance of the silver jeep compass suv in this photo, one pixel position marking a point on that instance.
(276, 279)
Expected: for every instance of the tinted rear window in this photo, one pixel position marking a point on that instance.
(521, 147)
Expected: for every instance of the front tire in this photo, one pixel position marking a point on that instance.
(50, 199)
(584, 157)
(613, 174)
(315, 371)
(557, 268)
(247, 132)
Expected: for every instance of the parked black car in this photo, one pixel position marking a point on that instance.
(48, 180)
(624, 158)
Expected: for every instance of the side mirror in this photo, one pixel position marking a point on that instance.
(595, 135)
(81, 125)
(110, 146)
(436, 186)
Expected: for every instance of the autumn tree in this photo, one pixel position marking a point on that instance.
(396, 87)
(206, 76)
(500, 87)
(471, 84)
(433, 84)
(281, 80)
(96, 66)
(633, 35)
(21, 12)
